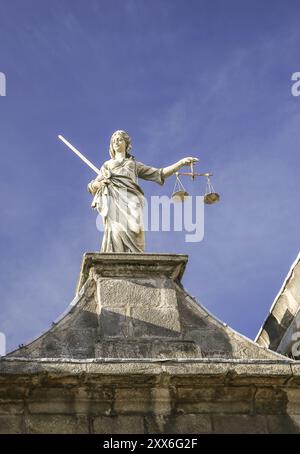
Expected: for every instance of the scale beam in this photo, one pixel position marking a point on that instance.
(194, 174)
(190, 174)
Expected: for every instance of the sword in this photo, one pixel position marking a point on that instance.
(80, 155)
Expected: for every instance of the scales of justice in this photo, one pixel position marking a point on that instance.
(119, 199)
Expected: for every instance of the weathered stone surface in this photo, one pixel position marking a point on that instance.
(179, 371)
(11, 407)
(132, 265)
(270, 401)
(221, 399)
(143, 349)
(190, 424)
(282, 424)
(11, 424)
(295, 419)
(163, 317)
(132, 400)
(118, 425)
(295, 376)
(160, 398)
(52, 400)
(18, 392)
(240, 424)
(57, 424)
(158, 291)
(293, 401)
(261, 373)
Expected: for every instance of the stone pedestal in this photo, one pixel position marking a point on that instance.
(134, 306)
(139, 315)
(135, 353)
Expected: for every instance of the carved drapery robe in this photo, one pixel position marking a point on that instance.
(120, 201)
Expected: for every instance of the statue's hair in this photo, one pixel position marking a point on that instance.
(127, 139)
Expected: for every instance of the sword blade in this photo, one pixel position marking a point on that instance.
(80, 155)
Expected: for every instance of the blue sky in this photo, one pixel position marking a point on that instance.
(200, 77)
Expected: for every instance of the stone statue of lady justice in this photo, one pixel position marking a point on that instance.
(120, 200)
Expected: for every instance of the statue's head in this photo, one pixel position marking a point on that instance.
(126, 138)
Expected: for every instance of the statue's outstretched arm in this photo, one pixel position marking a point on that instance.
(170, 170)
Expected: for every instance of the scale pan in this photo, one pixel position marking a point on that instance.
(211, 198)
(179, 196)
